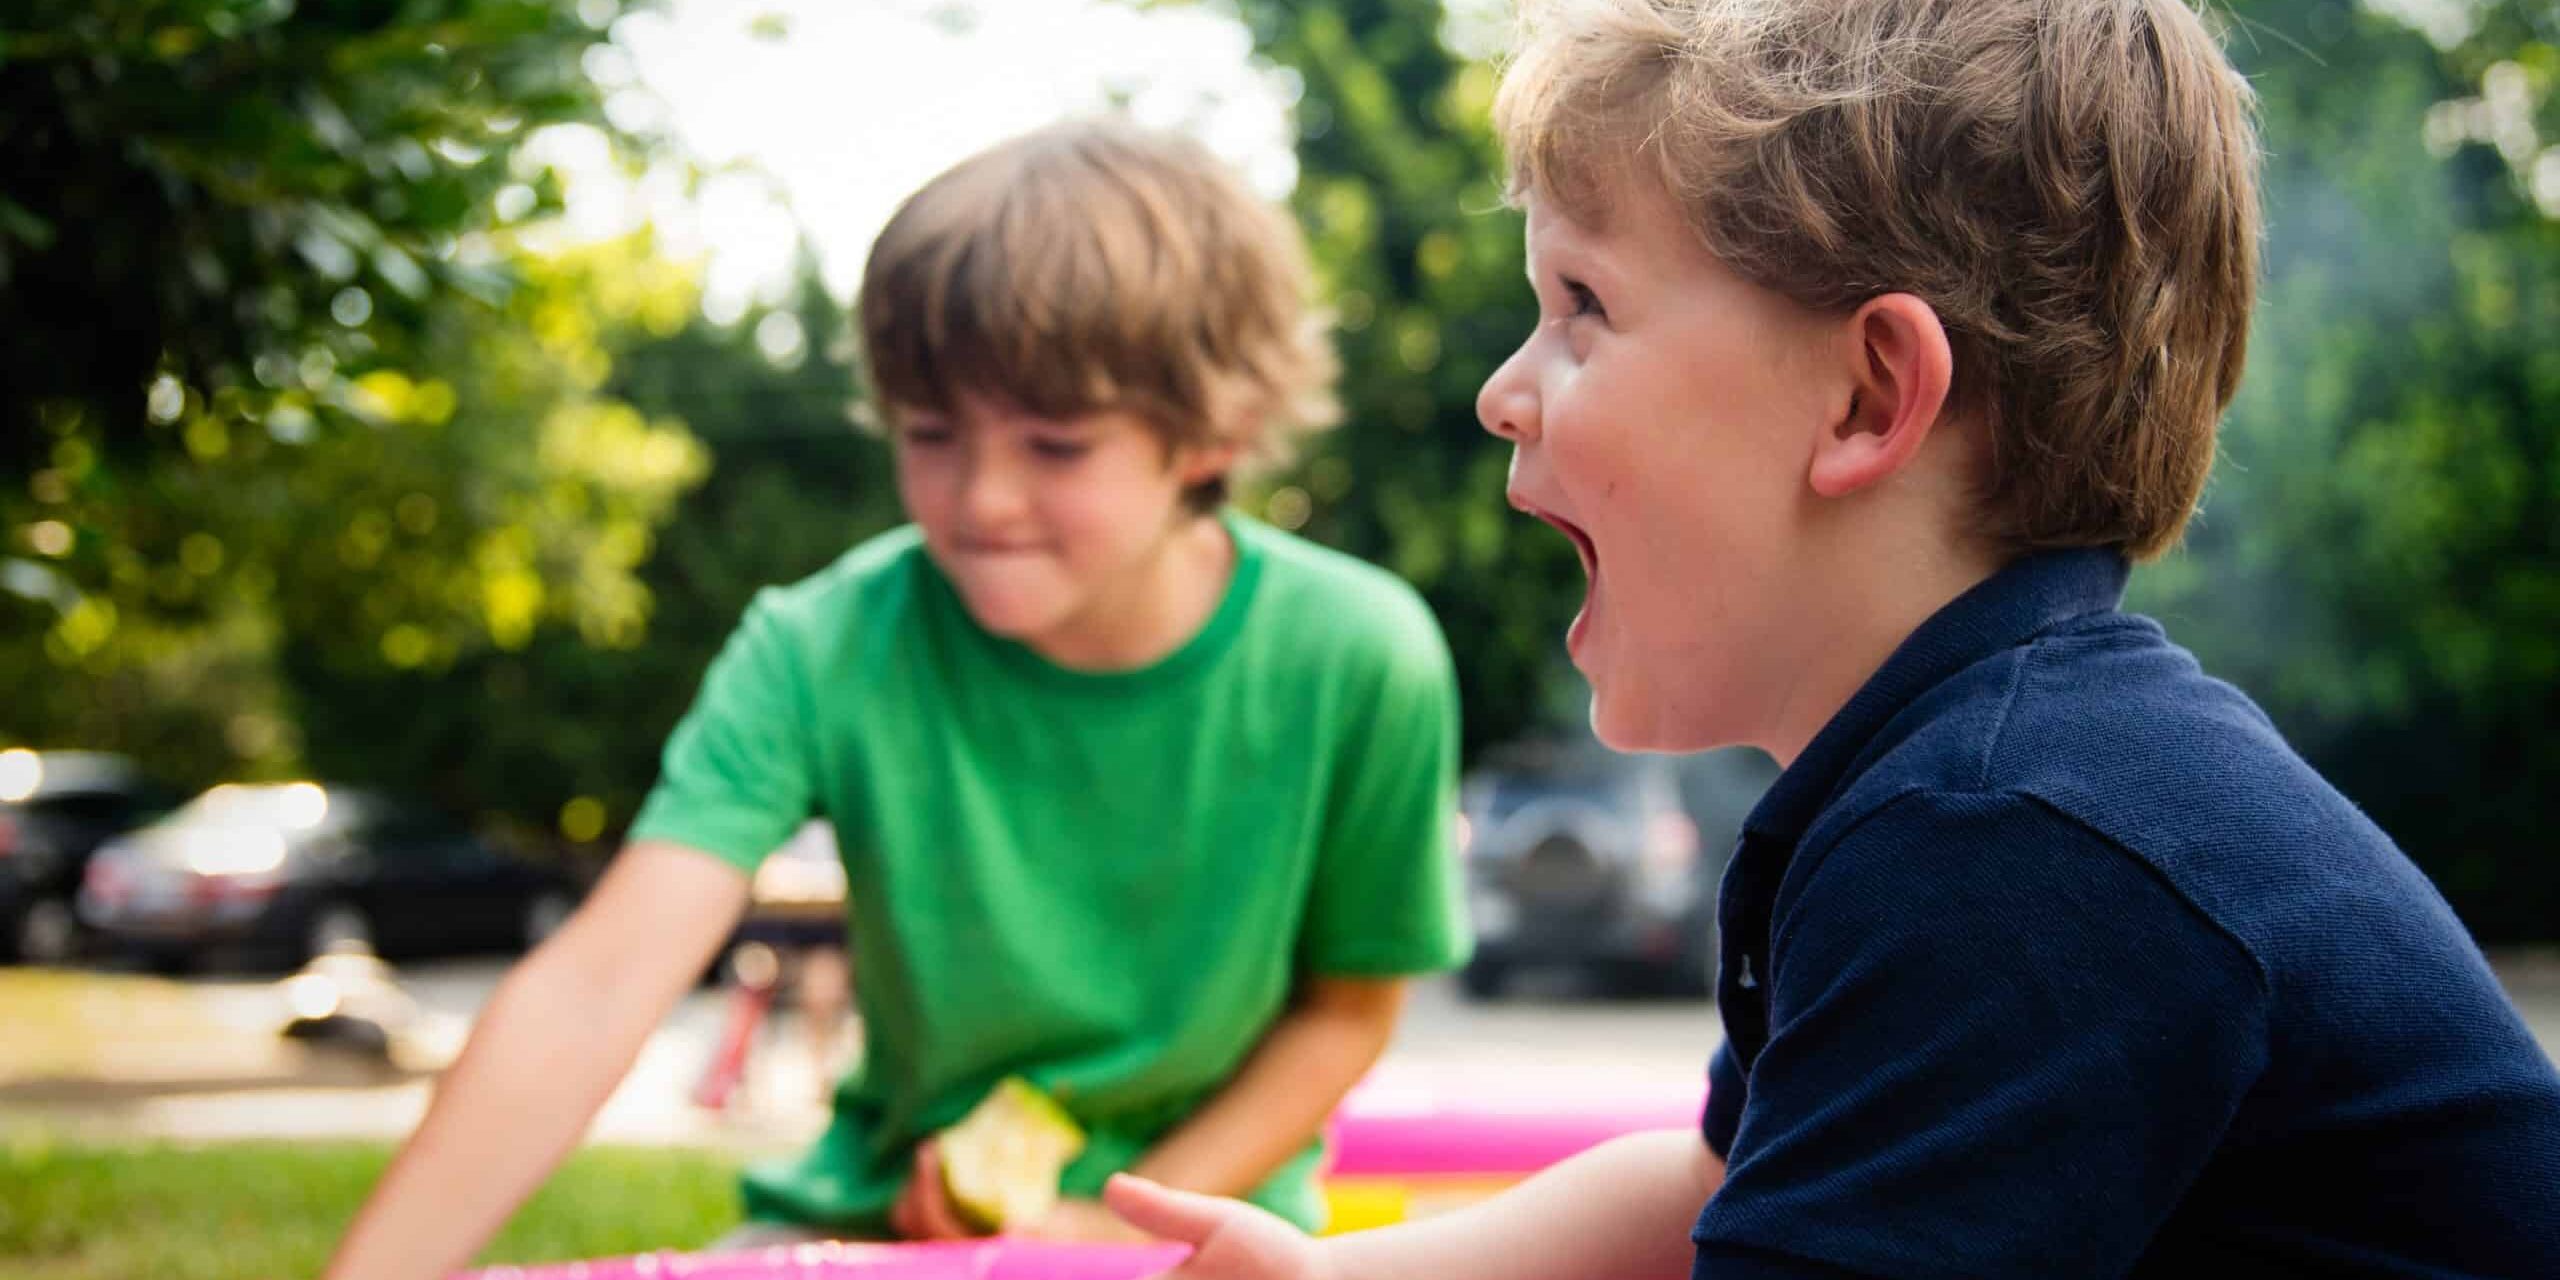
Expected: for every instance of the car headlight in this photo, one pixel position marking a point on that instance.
(235, 851)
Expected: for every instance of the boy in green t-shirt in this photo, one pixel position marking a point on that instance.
(1138, 799)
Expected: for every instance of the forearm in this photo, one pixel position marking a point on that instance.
(545, 1054)
(559, 1032)
(1281, 1097)
(1620, 1211)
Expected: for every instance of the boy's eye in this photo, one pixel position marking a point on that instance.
(1585, 302)
(922, 435)
(1061, 450)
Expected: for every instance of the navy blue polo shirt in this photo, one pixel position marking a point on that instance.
(2048, 957)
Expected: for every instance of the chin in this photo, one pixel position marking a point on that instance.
(1623, 728)
(1636, 724)
(1013, 619)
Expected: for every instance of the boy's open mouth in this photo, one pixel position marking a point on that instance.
(1581, 541)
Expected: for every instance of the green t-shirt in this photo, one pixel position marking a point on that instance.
(1106, 883)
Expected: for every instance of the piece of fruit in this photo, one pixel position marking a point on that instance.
(1001, 1164)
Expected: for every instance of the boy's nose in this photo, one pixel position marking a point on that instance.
(1508, 404)
(990, 493)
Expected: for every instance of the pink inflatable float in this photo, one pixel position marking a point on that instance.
(1401, 1149)
(1408, 1149)
(974, 1260)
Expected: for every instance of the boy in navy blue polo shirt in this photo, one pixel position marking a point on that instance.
(1876, 340)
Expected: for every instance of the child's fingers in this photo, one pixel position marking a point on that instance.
(904, 1219)
(934, 1217)
(1164, 1212)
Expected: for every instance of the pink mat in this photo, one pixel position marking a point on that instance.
(1386, 1129)
(969, 1260)
(1386, 1132)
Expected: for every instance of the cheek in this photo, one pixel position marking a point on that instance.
(919, 487)
(1095, 511)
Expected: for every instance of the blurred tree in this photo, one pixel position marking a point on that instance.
(283, 384)
(458, 584)
(795, 484)
(245, 196)
(483, 493)
(308, 459)
(2378, 558)
(1400, 193)
(563, 732)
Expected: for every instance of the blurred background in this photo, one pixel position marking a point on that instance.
(402, 398)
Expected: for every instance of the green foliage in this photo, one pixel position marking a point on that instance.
(240, 192)
(290, 409)
(1400, 194)
(795, 485)
(311, 464)
(478, 493)
(562, 733)
(253, 1211)
(2378, 558)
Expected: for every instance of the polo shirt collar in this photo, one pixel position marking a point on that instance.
(2031, 595)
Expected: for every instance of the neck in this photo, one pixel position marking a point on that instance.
(1888, 599)
(1163, 602)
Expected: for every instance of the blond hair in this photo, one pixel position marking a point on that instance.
(1094, 266)
(2071, 184)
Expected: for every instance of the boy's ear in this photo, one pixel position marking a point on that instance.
(1903, 367)
(1202, 463)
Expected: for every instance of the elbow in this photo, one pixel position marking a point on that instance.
(1361, 1016)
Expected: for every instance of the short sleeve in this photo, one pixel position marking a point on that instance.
(1999, 1045)
(736, 778)
(1386, 899)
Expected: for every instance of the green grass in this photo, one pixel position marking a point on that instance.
(262, 1210)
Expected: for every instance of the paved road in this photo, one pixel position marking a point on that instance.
(1540, 1044)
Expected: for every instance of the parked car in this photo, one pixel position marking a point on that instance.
(56, 808)
(291, 871)
(797, 898)
(1582, 858)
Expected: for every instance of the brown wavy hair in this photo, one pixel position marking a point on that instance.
(2071, 184)
(1093, 266)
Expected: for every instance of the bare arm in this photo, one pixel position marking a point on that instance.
(561, 1031)
(1280, 1097)
(1620, 1211)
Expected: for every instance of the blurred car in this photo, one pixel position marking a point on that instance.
(291, 871)
(56, 808)
(797, 898)
(1583, 858)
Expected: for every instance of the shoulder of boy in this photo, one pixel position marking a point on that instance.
(871, 580)
(1353, 598)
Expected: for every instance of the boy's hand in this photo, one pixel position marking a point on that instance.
(1084, 1222)
(1229, 1239)
(923, 1211)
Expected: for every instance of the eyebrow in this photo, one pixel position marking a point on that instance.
(1529, 264)
(1581, 265)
